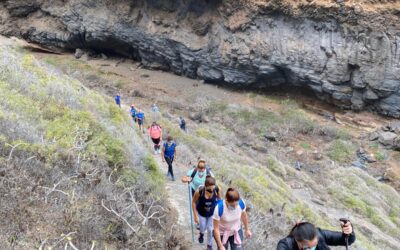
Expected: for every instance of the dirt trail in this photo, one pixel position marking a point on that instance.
(177, 193)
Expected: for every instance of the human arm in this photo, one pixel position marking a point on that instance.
(245, 221)
(175, 153)
(333, 238)
(194, 203)
(162, 153)
(217, 234)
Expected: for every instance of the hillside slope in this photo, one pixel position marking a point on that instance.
(73, 171)
(229, 129)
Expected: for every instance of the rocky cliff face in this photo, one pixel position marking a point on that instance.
(348, 55)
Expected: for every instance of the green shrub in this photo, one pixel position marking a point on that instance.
(154, 176)
(128, 177)
(116, 114)
(204, 133)
(305, 145)
(380, 156)
(243, 185)
(341, 151)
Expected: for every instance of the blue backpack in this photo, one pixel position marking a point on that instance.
(220, 205)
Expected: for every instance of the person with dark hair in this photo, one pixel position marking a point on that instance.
(203, 204)
(227, 219)
(305, 236)
(155, 133)
(168, 153)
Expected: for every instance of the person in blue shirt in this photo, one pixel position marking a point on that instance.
(168, 154)
(118, 100)
(140, 119)
(133, 112)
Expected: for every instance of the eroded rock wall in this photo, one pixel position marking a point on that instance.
(347, 56)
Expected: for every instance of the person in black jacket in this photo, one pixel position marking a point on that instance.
(305, 236)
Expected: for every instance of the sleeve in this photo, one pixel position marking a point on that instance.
(282, 245)
(216, 215)
(189, 173)
(244, 205)
(336, 238)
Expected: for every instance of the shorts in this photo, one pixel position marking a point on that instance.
(156, 141)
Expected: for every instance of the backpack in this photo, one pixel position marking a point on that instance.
(208, 171)
(183, 122)
(220, 205)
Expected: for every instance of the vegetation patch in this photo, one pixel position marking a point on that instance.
(341, 151)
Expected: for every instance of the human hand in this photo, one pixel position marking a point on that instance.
(346, 228)
(196, 219)
(248, 233)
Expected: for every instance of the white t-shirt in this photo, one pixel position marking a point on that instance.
(230, 219)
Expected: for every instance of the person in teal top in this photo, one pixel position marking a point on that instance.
(198, 175)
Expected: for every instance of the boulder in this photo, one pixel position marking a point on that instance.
(271, 136)
(387, 138)
(78, 53)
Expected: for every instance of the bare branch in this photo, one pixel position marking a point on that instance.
(111, 210)
(12, 149)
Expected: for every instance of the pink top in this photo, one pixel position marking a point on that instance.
(155, 132)
(229, 222)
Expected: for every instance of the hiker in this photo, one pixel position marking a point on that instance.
(133, 112)
(203, 204)
(155, 132)
(118, 100)
(140, 119)
(227, 218)
(305, 235)
(155, 114)
(168, 154)
(182, 123)
(197, 175)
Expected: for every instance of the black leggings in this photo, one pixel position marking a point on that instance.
(169, 161)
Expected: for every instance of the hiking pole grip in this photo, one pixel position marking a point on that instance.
(346, 239)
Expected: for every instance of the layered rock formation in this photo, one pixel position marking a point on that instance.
(348, 55)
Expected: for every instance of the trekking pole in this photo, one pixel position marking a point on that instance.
(346, 239)
(190, 209)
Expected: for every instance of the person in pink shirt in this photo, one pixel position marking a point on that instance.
(155, 132)
(229, 214)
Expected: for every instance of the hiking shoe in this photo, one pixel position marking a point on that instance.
(209, 247)
(201, 238)
(173, 178)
